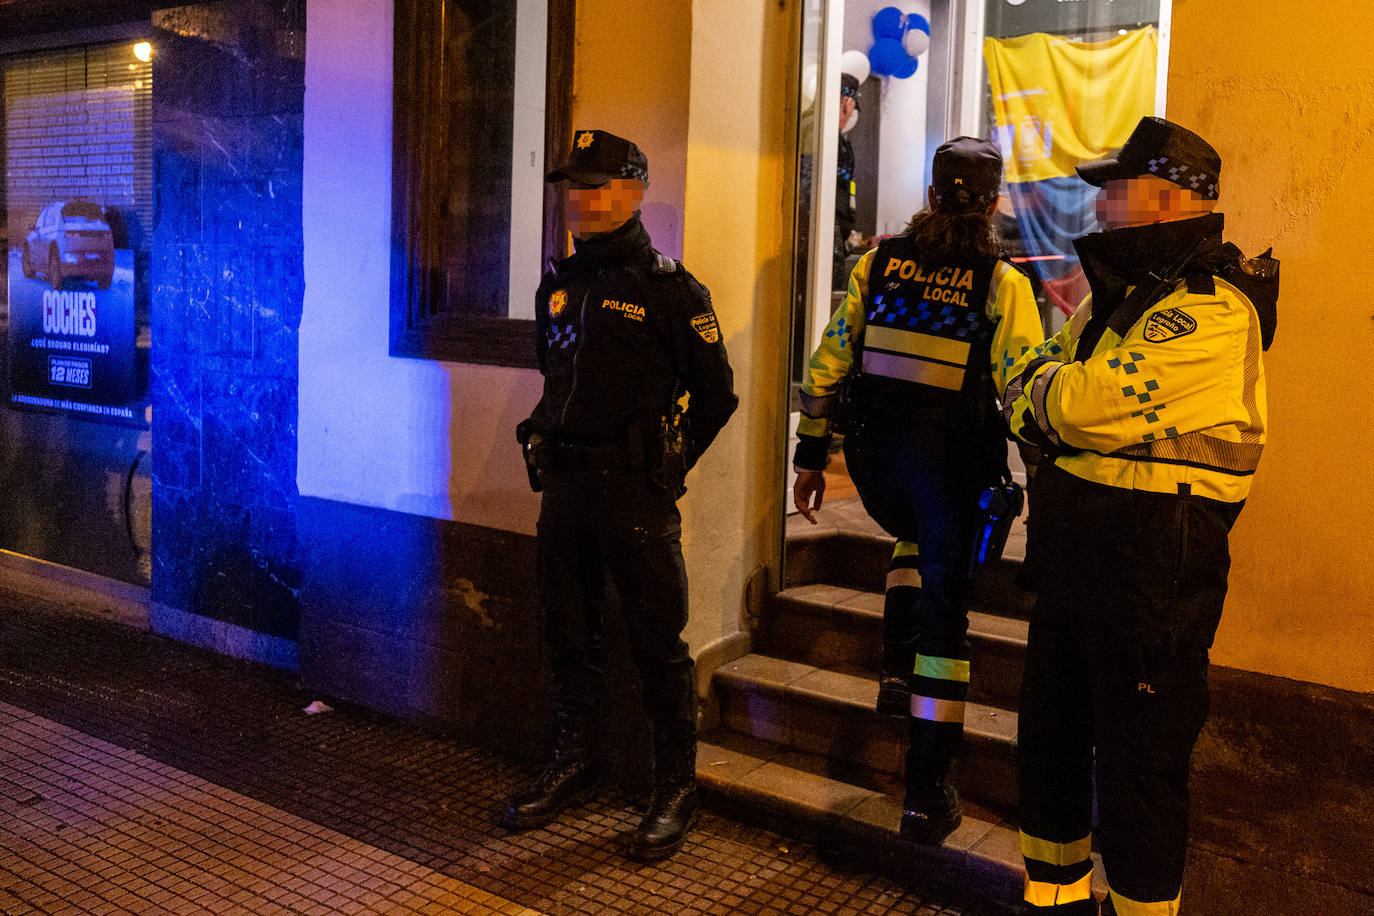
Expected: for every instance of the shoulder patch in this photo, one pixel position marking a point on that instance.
(664, 264)
(557, 302)
(1168, 324)
(706, 327)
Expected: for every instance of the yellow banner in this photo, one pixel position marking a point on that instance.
(1060, 102)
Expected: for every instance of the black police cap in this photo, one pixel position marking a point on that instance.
(966, 174)
(598, 157)
(1163, 149)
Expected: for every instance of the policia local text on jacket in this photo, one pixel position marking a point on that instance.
(1152, 402)
(934, 339)
(622, 332)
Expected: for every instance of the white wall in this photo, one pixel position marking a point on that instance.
(527, 156)
(902, 169)
(416, 436)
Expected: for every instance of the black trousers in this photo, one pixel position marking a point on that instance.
(595, 524)
(919, 472)
(1130, 591)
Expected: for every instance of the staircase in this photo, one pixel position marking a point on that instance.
(798, 742)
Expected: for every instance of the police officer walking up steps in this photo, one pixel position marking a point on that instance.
(932, 321)
(622, 333)
(1150, 404)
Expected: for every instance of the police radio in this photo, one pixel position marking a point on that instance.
(998, 507)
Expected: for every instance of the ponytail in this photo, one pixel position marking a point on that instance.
(944, 236)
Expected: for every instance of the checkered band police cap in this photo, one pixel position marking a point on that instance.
(598, 157)
(1161, 148)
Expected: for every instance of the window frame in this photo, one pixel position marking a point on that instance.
(417, 330)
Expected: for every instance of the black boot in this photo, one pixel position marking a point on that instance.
(894, 695)
(541, 799)
(672, 814)
(673, 808)
(572, 771)
(931, 818)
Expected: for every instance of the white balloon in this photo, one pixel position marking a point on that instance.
(855, 63)
(916, 42)
(808, 83)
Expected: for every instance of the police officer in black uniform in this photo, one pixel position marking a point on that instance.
(846, 192)
(622, 333)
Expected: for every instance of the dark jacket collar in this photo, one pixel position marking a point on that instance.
(1139, 255)
(625, 244)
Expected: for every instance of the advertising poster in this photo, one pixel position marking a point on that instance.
(72, 314)
(72, 221)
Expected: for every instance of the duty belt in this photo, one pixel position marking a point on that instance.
(576, 456)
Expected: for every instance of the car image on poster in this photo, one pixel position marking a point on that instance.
(72, 314)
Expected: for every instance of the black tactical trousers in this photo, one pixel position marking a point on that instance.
(595, 523)
(917, 479)
(1129, 597)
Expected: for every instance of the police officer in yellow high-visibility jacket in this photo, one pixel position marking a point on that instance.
(938, 318)
(1151, 404)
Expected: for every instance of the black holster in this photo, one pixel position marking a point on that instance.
(668, 453)
(536, 450)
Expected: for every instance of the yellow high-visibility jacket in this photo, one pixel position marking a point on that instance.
(1010, 304)
(1177, 405)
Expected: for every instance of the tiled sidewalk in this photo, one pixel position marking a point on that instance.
(95, 828)
(141, 776)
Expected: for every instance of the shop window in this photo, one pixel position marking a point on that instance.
(1066, 82)
(76, 214)
(482, 101)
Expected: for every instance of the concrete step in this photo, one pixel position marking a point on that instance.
(797, 795)
(858, 560)
(800, 707)
(841, 629)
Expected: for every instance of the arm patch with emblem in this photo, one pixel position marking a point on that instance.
(706, 327)
(1168, 324)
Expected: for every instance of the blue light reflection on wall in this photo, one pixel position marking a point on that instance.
(227, 286)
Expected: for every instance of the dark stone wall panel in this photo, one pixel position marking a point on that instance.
(176, 433)
(227, 287)
(250, 440)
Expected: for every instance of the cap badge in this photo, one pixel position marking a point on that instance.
(584, 139)
(958, 181)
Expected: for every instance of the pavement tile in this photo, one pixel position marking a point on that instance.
(175, 780)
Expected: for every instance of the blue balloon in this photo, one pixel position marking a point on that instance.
(887, 57)
(888, 22)
(917, 21)
(907, 69)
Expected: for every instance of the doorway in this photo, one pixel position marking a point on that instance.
(928, 70)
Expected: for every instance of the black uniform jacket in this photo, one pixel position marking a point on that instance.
(620, 330)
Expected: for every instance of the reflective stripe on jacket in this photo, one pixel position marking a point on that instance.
(1176, 405)
(1010, 303)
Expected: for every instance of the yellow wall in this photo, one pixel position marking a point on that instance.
(737, 237)
(702, 88)
(1286, 95)
(631, 77)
